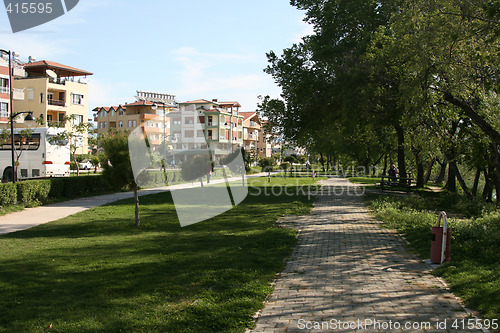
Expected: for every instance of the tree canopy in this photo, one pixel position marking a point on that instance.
(415, 81)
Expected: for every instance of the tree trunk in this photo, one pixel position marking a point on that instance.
(420, 167)
(136, 202)
(401, 151)
(442, 172)
(428, 172)
(496, 173)
(476, 182)
(385, 166)
(476, 118)
(322, 161)
(488, 189)
(461, 180)
(76, 164)
(451, 184)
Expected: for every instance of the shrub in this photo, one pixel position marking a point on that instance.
(8, 194)
(291, 159)
(285, 166)
(43, 187)
(57, 187)
(26, 192)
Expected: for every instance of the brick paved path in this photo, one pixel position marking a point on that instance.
(347, 268)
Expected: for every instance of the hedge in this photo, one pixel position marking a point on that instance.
(32, 192)
(8, 194)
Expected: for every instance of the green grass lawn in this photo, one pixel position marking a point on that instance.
(365, 180)
(96, 272)
(474, 272)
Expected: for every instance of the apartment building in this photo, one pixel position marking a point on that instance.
(150, 111)
(266, 144)
(51, 91)
(204, 124)
(17, 71)
(251, 132)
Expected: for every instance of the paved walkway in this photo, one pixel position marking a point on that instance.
(31, 217)
(346, 268)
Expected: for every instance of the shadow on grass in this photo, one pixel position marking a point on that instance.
(96, 272)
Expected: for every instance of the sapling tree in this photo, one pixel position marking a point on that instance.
(74, 135)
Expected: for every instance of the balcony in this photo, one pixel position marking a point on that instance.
(251, 137)
(56, 102)
(63, 80)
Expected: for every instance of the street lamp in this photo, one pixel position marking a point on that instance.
(29, 117)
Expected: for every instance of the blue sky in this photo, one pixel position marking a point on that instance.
(191, 48)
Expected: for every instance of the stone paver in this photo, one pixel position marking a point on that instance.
(347, 274)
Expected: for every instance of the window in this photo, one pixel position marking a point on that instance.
(41, 98)
(112, 112)
(105, 124)
(120, 112)
(189, 134)
(177, 122)
(31, 142)
(4, 85)
(120, 124)
(189, 120)
(134, 123)
(77, 99)
(35, 173)
(4, 110)
(77, 120)
(31, 94)
(200, 134)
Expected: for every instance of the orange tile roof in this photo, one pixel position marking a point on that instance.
(248, 115)
(62, 70)
(230, 103)
(199, 101)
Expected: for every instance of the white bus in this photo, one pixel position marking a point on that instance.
(40, 157)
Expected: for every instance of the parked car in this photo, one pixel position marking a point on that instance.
(86, 165)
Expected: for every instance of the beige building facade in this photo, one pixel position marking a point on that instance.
(53, 91)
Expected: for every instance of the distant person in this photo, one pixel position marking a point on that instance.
(393, 172)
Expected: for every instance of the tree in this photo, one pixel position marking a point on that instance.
(446, 52)
(117, 168)
(195, 168)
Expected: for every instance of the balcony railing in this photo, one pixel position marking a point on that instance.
(56, 102)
